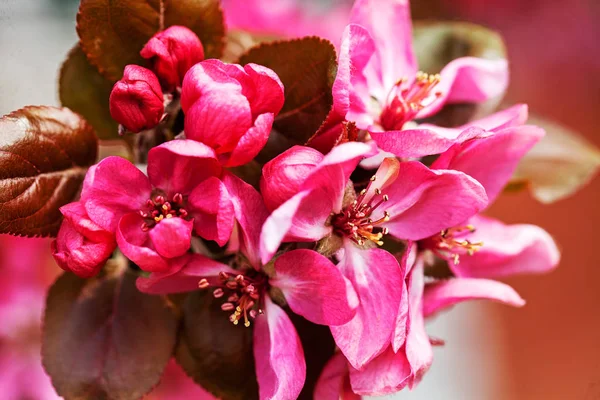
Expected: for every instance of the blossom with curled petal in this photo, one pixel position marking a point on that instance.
(312, 285)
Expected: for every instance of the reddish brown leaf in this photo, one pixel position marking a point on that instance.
(112, 32)
(84, 90)
(44, 155)
(214, 352)
(103, 339)
(307, 68)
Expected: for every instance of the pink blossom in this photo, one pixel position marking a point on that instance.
(153, 216)
(136, 101)
(405, 199)
(378, 86)
(311, 284)
(231, 108)
(172, 53)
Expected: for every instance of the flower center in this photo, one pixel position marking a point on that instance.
(160, 208)
(450, 243)
(408, 100)
(244, 293)
(356, 220)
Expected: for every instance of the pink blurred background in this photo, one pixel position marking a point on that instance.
(547, 350)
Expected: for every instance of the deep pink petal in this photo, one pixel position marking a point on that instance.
(424, 201)
(250, 213)
(211, 206)
(172, 237)
(350, 89)
(389, 23)
(266, 91)
(76, 214)
(283, 176)
(493, 159)
(216, 112)
(334, 382)
(469, 80)
(278, 355)
(251, 142)
(116, 188)
(422, 142)
(180, 165)
(135, 244)
(183, 276)
(387, 373)
(314, 287)
(447, 293)
(507, 250)
(376, 277)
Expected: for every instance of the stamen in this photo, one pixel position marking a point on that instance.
(159, 209)
(450, 244)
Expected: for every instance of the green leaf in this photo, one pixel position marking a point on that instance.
(84, 90)
(559, 165)
(44, 155)
(112, 33)
(103, 339)
(307, 68)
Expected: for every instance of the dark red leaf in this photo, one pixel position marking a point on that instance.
(44, 155)
(214, 352)
(84, 90)
(307, 68)
(112, 33)
(103, 339)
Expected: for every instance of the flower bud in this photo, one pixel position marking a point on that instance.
(172, 53)
(283, 176)
(136, 101)
(81, 246)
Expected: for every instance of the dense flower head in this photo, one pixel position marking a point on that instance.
(172, 53)
(136, 101)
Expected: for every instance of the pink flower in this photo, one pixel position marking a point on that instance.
(312, 285)
(153, 217)
(231, 108)
(406, 200)
(172, 53)
(379, 88)
(136, 101)
(81, 246)
(482, 246)
(176, 385)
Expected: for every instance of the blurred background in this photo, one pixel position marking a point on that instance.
(550, 349)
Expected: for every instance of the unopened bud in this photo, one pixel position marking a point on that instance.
(136, 101)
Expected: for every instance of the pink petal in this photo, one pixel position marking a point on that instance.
(469, 80)
(211, 206)
(403, 319)
(314, 287)
(278, 355)
(76, 214)
(180, 165)
(334, 382)
(447, 293)
(135, 244)
(375, 275)
(183, 276)
(350, 89)
(265, 91)
(116, 188)
(424, 201)
(493, 159)
(387, 373)
(216, 112)
(507, 250)
(422, 142)
(172, 237)
(389, 23)
(251, 142)
(283, 176)
(250, 213)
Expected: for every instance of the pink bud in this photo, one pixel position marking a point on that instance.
(283, 175)
(136, 101)
(172, 53)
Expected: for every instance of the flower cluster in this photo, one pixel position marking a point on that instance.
(367, 233)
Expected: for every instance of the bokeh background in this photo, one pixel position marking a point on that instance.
(550, 349)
